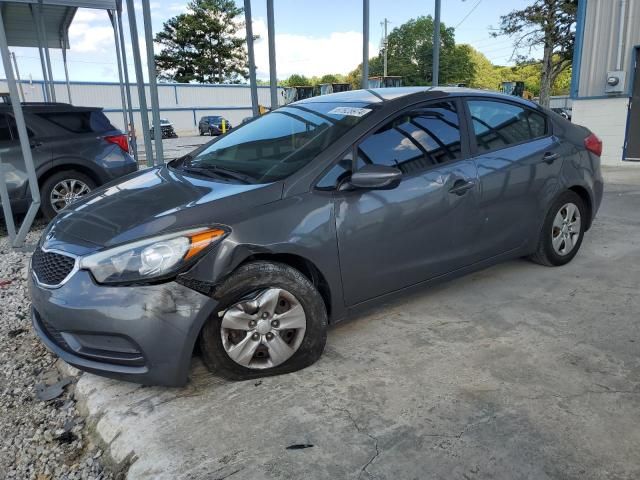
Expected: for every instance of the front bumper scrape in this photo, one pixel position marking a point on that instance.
(143, 334)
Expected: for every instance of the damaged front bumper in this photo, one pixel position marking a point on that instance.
(142, 334)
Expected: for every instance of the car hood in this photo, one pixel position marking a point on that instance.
(150, 202)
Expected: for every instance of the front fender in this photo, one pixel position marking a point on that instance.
(302, 226)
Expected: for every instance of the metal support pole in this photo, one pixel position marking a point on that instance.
(142, 99)
(18, 239)
(127, 85)
(365, 44)
(436, 45)
(47, 57)
(273, 77)
(118, 59)
(385, 46)
(35, 16)
(252, 59)
(15, 66)
(66, 70)
(153, 85)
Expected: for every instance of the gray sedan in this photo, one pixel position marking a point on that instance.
(257, 241)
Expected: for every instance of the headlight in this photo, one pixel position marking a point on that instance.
(150, 259)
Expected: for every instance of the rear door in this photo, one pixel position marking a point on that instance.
(11, 155)
(632, 150)
(519, 163)
(423, 228)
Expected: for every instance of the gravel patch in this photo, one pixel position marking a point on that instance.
(39, 440)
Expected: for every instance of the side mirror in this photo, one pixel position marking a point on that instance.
(376, 177)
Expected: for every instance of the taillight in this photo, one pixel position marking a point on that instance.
(120, 140)
(593, 144)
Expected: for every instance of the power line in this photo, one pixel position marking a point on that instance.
(469, 13)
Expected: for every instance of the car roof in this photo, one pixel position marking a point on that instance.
(42, 107)
(379, 96)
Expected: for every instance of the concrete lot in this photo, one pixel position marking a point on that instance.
(174, 147)
(518, 371)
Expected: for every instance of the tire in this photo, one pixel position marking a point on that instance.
(548, 255)
(200, 132)
(48, 208)
(252, 282)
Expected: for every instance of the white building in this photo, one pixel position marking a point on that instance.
(181, 103)
(605, 87)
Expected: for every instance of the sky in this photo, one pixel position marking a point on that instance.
(312, 37)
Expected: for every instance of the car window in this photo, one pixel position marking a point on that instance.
(498, 124)
(281, 142)
(13, 128)
(79, 122)
(5, 131)
(339, 172)
(415, 140)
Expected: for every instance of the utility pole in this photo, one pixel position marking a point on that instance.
(15, 66)
(436, 45)
(365, 44)
(271, 41)
(385, 46)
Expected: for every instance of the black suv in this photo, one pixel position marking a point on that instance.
(75, 149)
(213, 125)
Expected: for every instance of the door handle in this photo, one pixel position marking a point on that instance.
(35, 144)
(460, 186)
(550, 157)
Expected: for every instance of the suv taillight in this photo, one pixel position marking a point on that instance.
(120, 140)
(593, 144)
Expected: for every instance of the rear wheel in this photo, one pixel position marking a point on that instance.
(62, 189)
(273, 321)
(562, 232)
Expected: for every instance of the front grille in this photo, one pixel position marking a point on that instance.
(51, 268)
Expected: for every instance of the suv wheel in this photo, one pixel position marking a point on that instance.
(62, 189)
(562, 232)
(273, 321)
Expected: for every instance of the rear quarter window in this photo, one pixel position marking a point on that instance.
(80, 122)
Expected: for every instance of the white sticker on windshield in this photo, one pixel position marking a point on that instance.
(350, 111)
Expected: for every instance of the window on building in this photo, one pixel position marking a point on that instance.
(498, 124)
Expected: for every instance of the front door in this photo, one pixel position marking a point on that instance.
(632, 150)
(423, 228)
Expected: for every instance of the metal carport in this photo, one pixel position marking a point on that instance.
(44, 24)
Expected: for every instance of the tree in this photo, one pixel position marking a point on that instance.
(203, 44)
(486, 75)
(410, 55)
(546, 24)
(296, 80)
(329, 78)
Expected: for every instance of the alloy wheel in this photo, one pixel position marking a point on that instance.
(67, 191)
(565, 231)
(263, 331)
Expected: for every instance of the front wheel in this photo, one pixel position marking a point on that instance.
(273, 321)
(562, 232)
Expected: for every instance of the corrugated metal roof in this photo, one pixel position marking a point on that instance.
(56, 14)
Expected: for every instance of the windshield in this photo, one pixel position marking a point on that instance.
(280, 143)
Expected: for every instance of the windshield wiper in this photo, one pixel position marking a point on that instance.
(213, 171)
